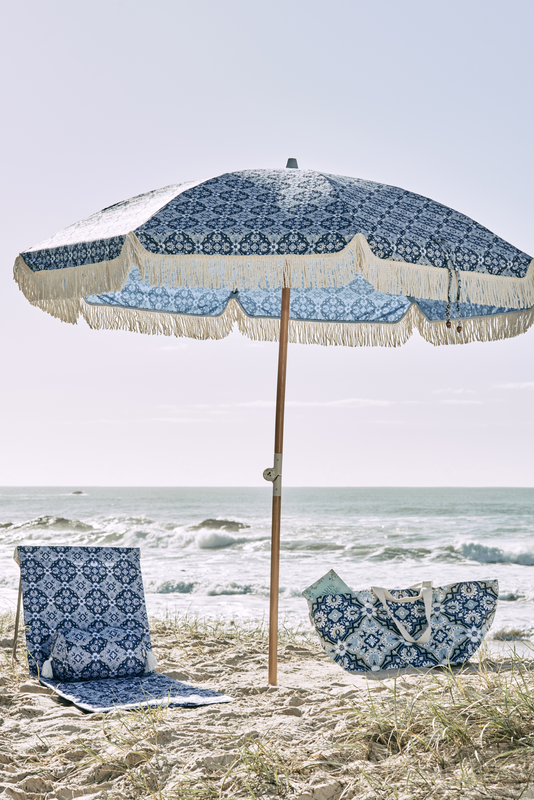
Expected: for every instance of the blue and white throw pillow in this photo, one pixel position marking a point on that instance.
(78, 655)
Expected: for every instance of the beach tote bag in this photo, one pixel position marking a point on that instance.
(422, 626)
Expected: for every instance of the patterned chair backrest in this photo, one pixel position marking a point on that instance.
(78, 587)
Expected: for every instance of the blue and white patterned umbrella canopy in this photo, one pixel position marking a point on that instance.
(367, 263)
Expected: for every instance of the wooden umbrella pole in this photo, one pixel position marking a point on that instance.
(276, 477)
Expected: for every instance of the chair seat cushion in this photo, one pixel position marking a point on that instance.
(108, 653)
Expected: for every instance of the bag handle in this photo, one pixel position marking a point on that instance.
(408, 599)
(421, 584)
(425, 595)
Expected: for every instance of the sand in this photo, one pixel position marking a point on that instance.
(302, 739)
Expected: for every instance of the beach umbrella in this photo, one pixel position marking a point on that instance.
(289, 255)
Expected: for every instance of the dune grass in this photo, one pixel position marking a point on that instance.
(459, 734)
(187, 627)
(449, 733)
(442, 735)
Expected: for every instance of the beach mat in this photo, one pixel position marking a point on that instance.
(92, 589)
(154, 690)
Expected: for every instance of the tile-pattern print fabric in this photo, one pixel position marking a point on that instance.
(89, 588)
(283, 212)
(359, 633)
(147, 690)
(79, 655)
(355, 302)
(94, 589)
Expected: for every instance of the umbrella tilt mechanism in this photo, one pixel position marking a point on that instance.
(274, 475)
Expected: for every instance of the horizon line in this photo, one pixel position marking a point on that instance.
(77, 486)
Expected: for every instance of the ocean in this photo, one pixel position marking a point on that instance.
(206, 551)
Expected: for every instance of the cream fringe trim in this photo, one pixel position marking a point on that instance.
(71, 282)
(344, 334)
(335, 269)
(475, 329)
(155, 322)
(379, 334)
(371, 334)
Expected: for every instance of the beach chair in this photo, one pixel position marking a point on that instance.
(87, 633)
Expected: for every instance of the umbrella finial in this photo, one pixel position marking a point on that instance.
(292, 163)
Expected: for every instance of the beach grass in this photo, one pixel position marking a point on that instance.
(464, 732)
(452, 734)
(187, 627)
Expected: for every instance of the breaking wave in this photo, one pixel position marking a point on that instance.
(180, 587)
(210, 590)
(220, 525)
(310, 546)
(511, 597)
(50, 523)
(484, 554)
(400, 554)
(231, 588)
(125, 531)
(209, 541)
(468, 551)
(512, 634)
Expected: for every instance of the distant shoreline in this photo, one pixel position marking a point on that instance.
(77, 487)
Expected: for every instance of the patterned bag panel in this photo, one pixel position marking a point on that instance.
(359, 633)
(79, 655)
(89, 588)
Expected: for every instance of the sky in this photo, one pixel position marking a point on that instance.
(106, 99)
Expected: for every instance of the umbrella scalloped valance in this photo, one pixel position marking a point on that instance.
(273, 228)
(352, 315)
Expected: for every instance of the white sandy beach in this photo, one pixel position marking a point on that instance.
(321, 734)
